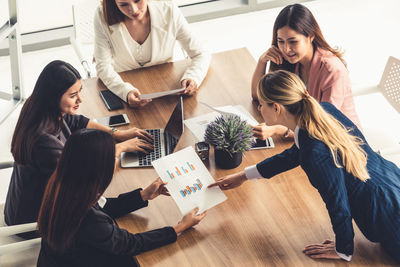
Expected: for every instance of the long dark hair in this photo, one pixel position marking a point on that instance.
(41, 112)
(84, 171)
(111, 12)
(300, 19)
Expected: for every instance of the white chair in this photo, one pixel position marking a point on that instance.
(389, 86)
(10, 231)
(14, 250)
(6, 164)
(382, 135)
(83, 36)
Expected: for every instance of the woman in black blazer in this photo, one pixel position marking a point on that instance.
(353, 181)
(77, 228)
(47, 119)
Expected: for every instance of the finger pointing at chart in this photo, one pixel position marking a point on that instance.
(230, 181)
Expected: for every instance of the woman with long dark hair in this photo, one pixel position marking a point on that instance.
(298, 46)
(76, 229)
(353, 181)
(47, 119)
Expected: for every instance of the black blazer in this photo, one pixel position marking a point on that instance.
(100, 242)
(29, 181)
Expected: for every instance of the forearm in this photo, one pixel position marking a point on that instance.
(198, 68)
(103, 57)
(112, 80)
(194, 47)
(119, 148)
(281, 130)
(117, 134)
(279, 163)
(179, 228)
(98, 126)
(258, 73)
(125, 203)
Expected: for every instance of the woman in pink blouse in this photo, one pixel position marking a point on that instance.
(299, 46)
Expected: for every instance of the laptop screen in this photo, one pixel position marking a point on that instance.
(175, 124)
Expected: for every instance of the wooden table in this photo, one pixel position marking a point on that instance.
(264, 222)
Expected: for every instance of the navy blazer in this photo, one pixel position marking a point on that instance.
(374, 205)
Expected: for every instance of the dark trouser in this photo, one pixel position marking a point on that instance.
(393, 249)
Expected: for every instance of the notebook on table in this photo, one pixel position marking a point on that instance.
(165, 141)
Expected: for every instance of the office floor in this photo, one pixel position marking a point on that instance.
(365, 29)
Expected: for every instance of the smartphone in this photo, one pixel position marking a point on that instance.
(115, 120)
(111, 101)
(260, 144)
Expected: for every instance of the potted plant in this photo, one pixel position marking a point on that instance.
(231, 137)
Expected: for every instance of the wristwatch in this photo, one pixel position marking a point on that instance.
(113, 130)
(287, 133)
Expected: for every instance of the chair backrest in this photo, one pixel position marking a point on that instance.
(15, 244)
(83, 12)
(390, 82)
(6, 164)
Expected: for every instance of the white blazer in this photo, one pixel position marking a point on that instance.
(112, 53)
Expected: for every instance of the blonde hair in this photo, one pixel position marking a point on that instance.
(287, 89)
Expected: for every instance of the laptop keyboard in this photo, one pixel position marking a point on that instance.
(170, 143)
(146, 159)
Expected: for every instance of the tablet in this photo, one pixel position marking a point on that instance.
(260, 144)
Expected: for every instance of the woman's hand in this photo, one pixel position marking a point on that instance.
(155, 189)
(272, 54)
(190, 86)
(263, 131)
(133, 145)
(189, 220)
(325, 250)
(230, 181)
(123, 135)
(134, 100)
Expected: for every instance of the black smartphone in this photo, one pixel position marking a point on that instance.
(115, 120)
(260, 144)
(111, 101)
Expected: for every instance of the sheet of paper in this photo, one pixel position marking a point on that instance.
(198, 125)
(160, 94)
(188, 179)
(241, 112)
(217, 109)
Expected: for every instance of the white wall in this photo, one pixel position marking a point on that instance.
(3, 12)
(35, 15)
(40, 15)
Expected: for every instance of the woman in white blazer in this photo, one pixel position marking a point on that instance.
(131, 34)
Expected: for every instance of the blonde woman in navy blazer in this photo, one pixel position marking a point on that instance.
(353, 181)
(131, 34)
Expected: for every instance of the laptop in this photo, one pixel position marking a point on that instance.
(165, 141)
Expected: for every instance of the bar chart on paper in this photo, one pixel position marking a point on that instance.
(181, 170)
(188, 179)
(188, 190)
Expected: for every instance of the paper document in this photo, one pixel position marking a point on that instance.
(217, 109)
(198, 125)
(188, 179)
(160, 94)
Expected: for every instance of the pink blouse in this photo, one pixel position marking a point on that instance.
(329, 81)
